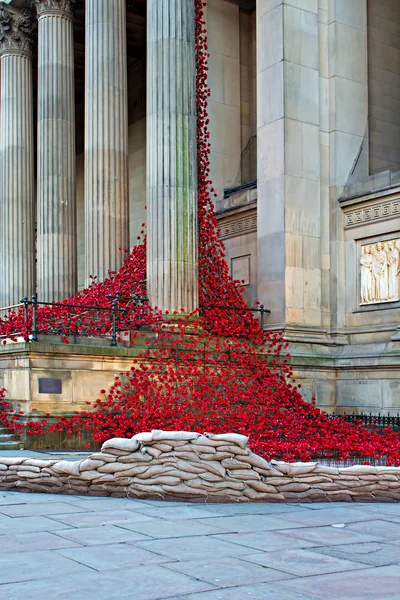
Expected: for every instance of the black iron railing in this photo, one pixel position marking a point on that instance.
(71, 320)
(123, 314)
(372, 420)
(243, 309)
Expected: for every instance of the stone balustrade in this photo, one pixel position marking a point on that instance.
(180, 465)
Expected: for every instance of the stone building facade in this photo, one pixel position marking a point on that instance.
(305, 134)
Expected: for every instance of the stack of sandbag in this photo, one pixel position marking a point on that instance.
(200, 467)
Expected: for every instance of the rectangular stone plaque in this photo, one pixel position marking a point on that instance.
(240, 269)
(50, 386)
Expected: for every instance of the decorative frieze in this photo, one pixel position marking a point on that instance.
(380, 211)
(379, 272)
(239, 226)
(15, 31)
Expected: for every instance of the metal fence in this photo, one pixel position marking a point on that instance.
(76, 320)
(241, 309)
(7, 311)
(371, 420)
(73, 320)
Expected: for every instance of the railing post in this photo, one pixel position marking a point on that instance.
(114, 308)
(262, 316)
(25, 302)
(34, 319)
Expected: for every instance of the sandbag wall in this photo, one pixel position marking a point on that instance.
(191, 466)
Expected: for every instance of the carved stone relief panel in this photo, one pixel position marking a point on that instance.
(380, 272)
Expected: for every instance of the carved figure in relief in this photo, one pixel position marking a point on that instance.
(381, 272)
(394, 265)
(367, 279)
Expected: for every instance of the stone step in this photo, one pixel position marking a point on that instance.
(5, 437)
(10, 445)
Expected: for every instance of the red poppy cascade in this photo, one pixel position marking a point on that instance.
(225, 375)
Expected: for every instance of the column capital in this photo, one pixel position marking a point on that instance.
(16, 31)
(63, 8)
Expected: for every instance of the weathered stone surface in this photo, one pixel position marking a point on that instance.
(56, 177)
(106, 137)
(172, 267)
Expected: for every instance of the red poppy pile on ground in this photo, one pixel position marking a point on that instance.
(211, 371)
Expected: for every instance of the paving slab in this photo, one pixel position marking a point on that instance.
(176, 511)
(139, 583)
(377, 554)
(267, 541)
(28, 524)
(248, 523)
(382, 583)
(112, 556)
(381, 508)
(226, 572)
(34, 565)
(327, 535)
(90, 519)
(99, 504)
(10, 498)
(303, 562)
(117, 549)
(191, 548)
(102, 534)
(172, 529)
(333, 516)
(260, 591)
(333, 505)
(39, 508)
(32, 542)
(379, 529)
(253, 508)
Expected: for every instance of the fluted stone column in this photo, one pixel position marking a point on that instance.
(17, 257)
(106, 136)
(171, 155)
(56, 170)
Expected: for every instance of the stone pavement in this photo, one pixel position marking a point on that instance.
(60, 547)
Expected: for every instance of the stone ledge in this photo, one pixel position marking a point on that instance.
(180, 465)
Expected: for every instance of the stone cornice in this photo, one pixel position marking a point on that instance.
(16, 31)
(245, 223)
(381, 209)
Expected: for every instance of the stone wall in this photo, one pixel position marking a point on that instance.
(191, 466)
(223, 29)
(384, 85)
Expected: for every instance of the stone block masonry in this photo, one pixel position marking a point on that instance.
(181, 465)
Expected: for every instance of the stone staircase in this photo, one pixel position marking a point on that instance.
(9, 440)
